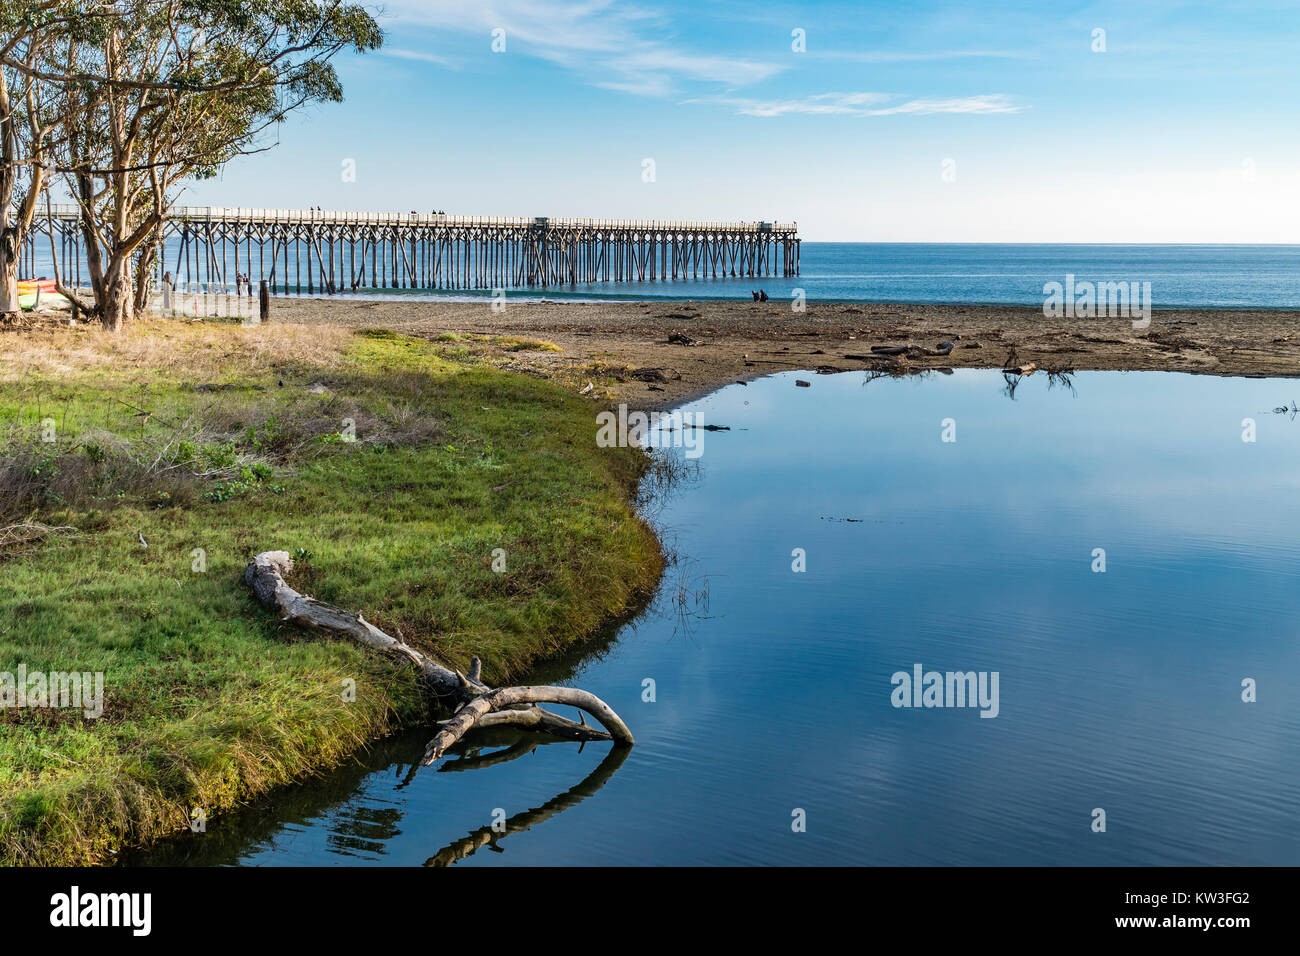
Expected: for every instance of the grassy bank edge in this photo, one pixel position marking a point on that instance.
(77, 820)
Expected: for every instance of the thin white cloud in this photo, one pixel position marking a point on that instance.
(717, 69)
(863, 104)
(610, 45)
(823, 104)
(892, 56)
(619, 46)
(421, 56)
(989, 103)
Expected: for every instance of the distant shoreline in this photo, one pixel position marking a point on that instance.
(535, 298)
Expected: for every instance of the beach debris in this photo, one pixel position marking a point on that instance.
(1171, 343)
(652, 375)
(470, 702)
(1027, 369)
(800, 383)
(971, 345)
(677, 338)
(587, 389)
(143, 542)
(890, 349)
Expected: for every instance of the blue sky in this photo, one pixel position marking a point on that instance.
(898, 122)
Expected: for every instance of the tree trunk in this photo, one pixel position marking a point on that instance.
(144, 278)
(9, 310)
(119, 297)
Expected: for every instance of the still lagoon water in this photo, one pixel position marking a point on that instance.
(1119, 690)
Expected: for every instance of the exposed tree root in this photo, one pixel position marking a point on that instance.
(473, 703)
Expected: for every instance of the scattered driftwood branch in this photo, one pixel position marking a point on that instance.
(265, 575)
(497, 704)
(473, 702)
(904, 351)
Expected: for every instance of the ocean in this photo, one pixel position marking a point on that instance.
(1180, 276)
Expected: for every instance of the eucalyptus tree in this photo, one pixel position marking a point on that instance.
(27, 128)
(152, 93)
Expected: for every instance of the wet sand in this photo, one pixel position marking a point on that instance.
(624, 350)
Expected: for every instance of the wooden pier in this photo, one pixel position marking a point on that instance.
(310, 251)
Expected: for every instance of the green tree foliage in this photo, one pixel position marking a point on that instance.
(150, 94)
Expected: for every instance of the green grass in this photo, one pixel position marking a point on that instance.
(508, 343)
(207, 699)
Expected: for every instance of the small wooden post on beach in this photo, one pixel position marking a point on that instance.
(264, 301)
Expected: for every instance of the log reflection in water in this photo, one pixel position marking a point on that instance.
(486, 836)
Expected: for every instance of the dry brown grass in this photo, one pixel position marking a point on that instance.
(199, 350)
(26, 536)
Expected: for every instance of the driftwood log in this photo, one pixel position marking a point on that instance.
(472, 703)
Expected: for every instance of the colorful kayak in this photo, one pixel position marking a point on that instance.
(31, 291)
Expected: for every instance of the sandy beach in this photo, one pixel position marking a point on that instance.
(624, 348)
